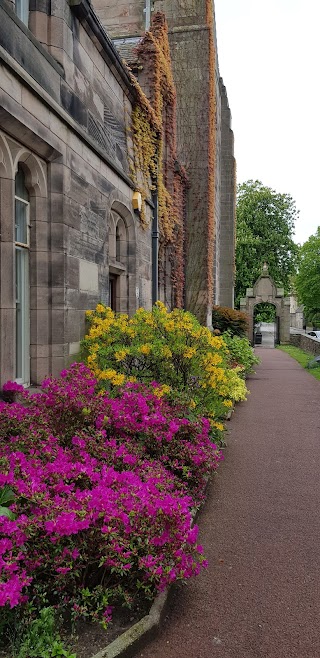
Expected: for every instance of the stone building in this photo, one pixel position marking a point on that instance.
(69, 233)
(204, 136)
(95, 204)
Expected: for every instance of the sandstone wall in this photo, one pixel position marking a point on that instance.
(227, 205)
(62, 115)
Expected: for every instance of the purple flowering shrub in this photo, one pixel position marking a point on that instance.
(103, 490)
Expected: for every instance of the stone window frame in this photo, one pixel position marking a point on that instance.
(12, 154)
(123, 257)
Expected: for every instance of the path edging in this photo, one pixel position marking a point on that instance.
(128, 641)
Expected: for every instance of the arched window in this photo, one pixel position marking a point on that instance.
(123, 290)
(118, 264)
(22, 245)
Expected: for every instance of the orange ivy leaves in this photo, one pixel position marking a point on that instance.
(155, 149)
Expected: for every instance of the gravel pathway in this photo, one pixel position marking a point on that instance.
(260, 596)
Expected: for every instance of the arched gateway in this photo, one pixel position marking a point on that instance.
(265, 290)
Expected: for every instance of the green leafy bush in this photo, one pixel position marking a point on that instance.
(40, 638)
(227, 319)
(6, 499)
(264, 312)
(316, 321)
(240, 353)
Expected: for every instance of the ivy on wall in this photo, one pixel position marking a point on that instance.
(154, 139)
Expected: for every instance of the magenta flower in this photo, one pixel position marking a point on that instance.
(103, 490)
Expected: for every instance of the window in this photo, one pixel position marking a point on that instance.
(22, 278)
(22, 11)
(118, 245)
(113, 292)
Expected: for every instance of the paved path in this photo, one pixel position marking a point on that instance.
(260, 596)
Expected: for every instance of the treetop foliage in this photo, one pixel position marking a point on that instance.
(307, 281)
(265, 225)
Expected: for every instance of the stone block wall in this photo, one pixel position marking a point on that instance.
(227, 205)
(78, 183)
(73, 68)
(305, 343)
(123, 17)
(192, 85)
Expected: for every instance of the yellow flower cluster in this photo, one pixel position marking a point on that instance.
(217, 425)
(189, 352)
(149, 346)
(160, 391)
(145, 349)
(117, 379)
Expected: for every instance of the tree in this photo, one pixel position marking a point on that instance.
(307, 281)
(265, 224)
(264, 312)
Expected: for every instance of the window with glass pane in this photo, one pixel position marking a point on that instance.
(20, 185)
(22, 11)
(22, 277)
(21, 208)
(21, 221)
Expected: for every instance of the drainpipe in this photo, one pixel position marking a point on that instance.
(155, 246)
(147, 11)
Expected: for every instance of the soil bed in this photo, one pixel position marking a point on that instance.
(90, 638)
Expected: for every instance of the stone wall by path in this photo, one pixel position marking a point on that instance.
(306, 343)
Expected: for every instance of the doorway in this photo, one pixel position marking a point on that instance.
(265, 325)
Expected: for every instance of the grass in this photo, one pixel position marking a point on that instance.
(302, 357)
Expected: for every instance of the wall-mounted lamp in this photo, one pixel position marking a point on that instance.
(137, 202)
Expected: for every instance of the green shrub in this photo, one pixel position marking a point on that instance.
(227, 319)
(264, 312)
(40, 638)
(316, 321)
(240, 352)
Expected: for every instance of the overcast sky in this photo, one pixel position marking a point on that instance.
(269, 57)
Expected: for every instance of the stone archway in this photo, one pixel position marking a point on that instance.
(265, 290)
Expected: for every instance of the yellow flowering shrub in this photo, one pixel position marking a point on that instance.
(185, 359)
